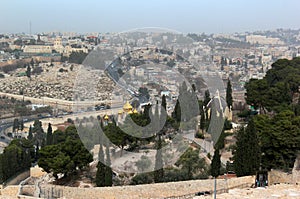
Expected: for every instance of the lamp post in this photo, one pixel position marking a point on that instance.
(215, 188)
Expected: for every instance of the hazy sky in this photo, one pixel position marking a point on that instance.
(209, 16)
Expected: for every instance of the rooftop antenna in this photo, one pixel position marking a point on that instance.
(30, 28)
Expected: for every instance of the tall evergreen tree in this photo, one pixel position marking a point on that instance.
(16, 157)
(1, 169)
(146, 112)
(206, 97)
(32, 62)
(101, 124)
(181, 104)
(49, 138)
(108, 169)
(164, 102)
(202, 120)
(247, 153)
(30, 135)
(114, 121)
(100, 175)
(16, 125)
(229, 95)
(177, 112)
(37, 153)
(215, 164)
(194, 87)
(28, 71)
(38, 131)
(206, 101)
(156, 119)
(21, 125)
(159, 171)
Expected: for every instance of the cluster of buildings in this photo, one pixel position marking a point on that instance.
(238, 57)
(18, 46)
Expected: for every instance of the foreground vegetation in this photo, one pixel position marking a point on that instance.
(272, 139)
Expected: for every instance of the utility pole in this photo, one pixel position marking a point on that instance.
(215, 188)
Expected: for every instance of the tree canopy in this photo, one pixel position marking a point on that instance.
(276, 90)
(17, 157)
(191, 163)
(278, 133)
(279, 139)
(66, 155)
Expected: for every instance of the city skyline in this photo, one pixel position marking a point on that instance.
(114, 16)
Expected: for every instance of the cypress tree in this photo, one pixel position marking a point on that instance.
(194, 87)
(205, 102)
(28, 71)
(21, 125)
(216, 164)
(114, 121)
(32, 62)
(164, 102)
(229, 95)
(49, 138)
(15, 125)
(202, 121)
(182, 103)
(108, 170)
(101, 124)
(30, 135)
(177, 112)
(39, 136)
(247, 154)
(156, 119)
(100, 175)
(159, 171)
(206, 98)
(1, 168)
(146, 113)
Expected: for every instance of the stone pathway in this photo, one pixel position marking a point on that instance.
(280, 191)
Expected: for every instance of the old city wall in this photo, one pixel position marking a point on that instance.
(27, 60)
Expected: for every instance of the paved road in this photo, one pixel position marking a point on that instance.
(7, 123)
(62, 104)
(206, 146)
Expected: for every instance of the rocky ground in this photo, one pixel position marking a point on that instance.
(57, 81)
(280, 191)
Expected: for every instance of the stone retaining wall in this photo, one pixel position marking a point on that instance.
(9, 191)
(58, 103)
(184, 189)
(16, 180)
(276, 176)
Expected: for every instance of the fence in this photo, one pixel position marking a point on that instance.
(172, 190)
